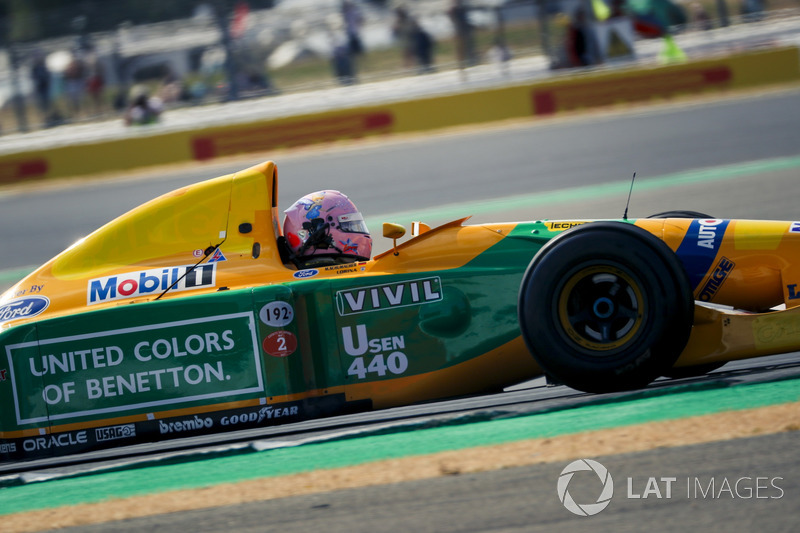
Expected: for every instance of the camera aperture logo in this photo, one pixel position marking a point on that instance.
(745, 486)
(586, 509)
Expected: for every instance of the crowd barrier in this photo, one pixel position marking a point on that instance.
(558, 94)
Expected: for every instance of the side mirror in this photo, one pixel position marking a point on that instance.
(394, 232)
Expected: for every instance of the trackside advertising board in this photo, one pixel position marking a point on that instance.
(157, 366)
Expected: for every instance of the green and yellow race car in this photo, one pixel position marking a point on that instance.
(201, 311)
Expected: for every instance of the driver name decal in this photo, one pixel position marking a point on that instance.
(391, 295)
(169, 364)
(147, 282)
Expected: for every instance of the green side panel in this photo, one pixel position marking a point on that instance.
(380, 327)
(415, 323)
(278, 334)
(14, 383)
(137, 358)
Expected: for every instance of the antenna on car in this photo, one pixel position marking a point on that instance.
(208, 251)
(625, 214)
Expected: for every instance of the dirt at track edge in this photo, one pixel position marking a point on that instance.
(682, 432)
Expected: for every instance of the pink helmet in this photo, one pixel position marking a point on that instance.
(327, 224)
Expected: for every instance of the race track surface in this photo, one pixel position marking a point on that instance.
(524, 499)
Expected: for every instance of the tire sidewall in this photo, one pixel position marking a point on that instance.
(666, 313)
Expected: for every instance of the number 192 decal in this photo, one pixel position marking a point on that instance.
(276, 314)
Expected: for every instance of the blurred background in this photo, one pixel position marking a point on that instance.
(82, 61)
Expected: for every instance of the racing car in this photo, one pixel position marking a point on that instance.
(190, 315)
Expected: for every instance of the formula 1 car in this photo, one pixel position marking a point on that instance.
(183, 316)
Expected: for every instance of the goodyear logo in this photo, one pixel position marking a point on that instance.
(716, 279)
(389, 296)
(145, 282)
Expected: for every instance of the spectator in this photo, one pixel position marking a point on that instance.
(171, 88)
(352, 27)
(75, 82)
(343, 63)
(95, 85)
(417, 44)
(465, 44)
(577, 40)
(144, 109)
(700, 17)
(752, 10)
(40, 77)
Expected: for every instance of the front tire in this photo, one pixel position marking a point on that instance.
(605, 306)
(697, 370)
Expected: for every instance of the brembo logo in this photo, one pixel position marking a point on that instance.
(145, 282)
(23, 308)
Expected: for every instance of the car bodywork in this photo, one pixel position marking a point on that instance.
(181, 318)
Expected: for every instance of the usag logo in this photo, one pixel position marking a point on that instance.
(115, 432)
(391, 295)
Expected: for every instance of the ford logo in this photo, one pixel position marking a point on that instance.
(23, 308)
(308, 273)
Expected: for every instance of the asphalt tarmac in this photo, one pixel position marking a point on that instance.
(741, 485)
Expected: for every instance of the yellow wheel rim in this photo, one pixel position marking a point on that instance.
(601, 308)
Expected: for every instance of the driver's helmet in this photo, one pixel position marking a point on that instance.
(326, 225)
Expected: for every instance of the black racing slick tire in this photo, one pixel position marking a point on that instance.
(681, 372)
(697, 370)
(681, 214)
(604, 307)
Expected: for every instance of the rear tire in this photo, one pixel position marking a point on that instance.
(605, 306)
(681, 214)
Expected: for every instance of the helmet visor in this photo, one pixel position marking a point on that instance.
(352, 223)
